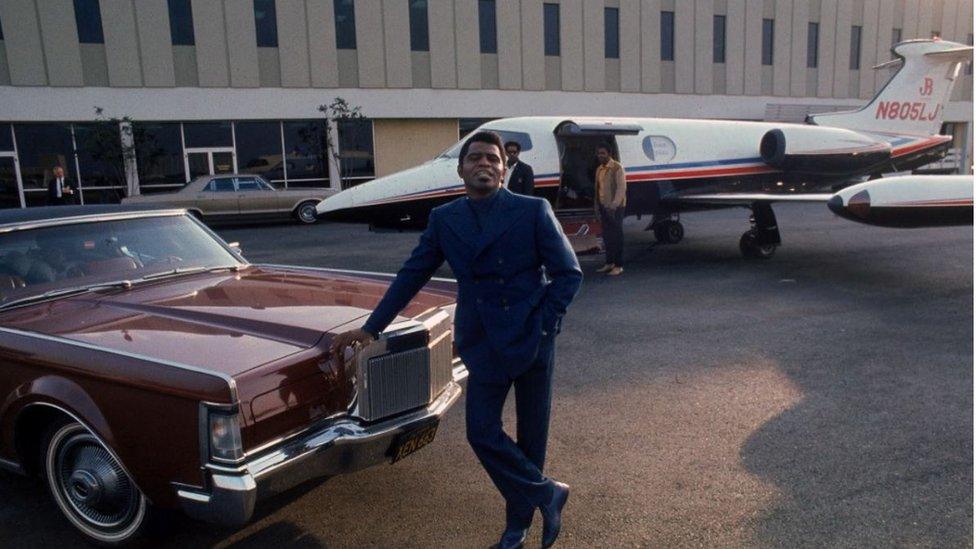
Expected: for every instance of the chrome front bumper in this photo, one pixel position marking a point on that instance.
(341, 446)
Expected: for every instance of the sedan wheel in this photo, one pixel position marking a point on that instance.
(90, 486)
(306, 213)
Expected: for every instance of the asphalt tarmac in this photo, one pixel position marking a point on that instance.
(823, 398)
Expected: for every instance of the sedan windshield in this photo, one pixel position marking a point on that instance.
(45, 260)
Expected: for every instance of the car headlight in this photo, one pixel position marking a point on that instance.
(224, 429)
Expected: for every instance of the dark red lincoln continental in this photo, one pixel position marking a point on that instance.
(144, 363)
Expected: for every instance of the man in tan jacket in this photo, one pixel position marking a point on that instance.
(611, 203)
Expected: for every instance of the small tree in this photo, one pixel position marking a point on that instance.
(337, 111)
(115, 143)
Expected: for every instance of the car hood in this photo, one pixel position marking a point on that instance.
(226, 321)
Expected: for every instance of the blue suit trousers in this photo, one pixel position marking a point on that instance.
(515, 467)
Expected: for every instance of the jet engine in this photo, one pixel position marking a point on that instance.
(821, 151)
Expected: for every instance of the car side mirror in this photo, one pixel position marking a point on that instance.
(235, 247)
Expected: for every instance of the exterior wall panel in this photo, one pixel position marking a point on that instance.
(533, 56)
(594, 47)
(59, 34)
(443, 60)
(468, 45)
(510, 46)
(630, 46)
(322, 56)
(842, 49)
(684, 46)
(825, 69)
(650, 45)
(155, 45)
(211, 43)
(121, 42)
(798, 51)
(25, 54)
(293, 43)
(400, 143)
(370, 43)
(753, 51)
(572, 51)
(242, 46)
(396, 27)
(735, 47)
(869, 47)
(703, 39)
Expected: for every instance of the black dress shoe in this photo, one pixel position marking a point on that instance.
(552, 518)
(512, 538)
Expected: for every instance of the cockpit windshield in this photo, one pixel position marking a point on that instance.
(521, 138)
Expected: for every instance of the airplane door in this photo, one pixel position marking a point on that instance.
(574, 204)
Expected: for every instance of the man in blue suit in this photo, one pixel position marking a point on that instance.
(516, 276)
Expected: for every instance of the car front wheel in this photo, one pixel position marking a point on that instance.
(306, 213)
(90, 486)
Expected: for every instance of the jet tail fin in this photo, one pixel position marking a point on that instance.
(913, 101)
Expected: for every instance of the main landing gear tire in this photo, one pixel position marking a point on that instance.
(669, 232)
(305, 213)
(90, 487)
(751, 249)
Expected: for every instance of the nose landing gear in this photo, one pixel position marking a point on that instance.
(761, 241)
(667, 231)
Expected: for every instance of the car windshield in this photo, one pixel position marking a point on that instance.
(34, 262)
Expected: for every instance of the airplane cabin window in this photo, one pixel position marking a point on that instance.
(658, 148)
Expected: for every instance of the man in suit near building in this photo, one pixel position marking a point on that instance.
(520, 178)
(59, 191)
(516, 276)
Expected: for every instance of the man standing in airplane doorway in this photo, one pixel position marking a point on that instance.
(516, 276)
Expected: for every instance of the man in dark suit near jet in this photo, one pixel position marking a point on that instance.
(516, 276)
(520, 178)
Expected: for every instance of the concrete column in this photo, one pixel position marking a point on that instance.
(684, 46)
(25, 53)
(735, 47)
(293, 43)
(129, 159)
(650, 45)
(925, 28)
(782, 41)
(798, 54)
(909, 27)
(121, 43)
(509, 26)
(155, 44)
(396, 26)
(468, 44)
(533, 54)
(211, 43)
(869, 47)
(828, 21)
(59, 33)
(370, 43)
(574, 44)
(842, 49)
(242, 45)
(753, 51)
(704, 44)
(948, 25)
(594, 47)
(324, 64)
(443, 59)
(630, 46)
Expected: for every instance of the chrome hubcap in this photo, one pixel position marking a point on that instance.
(93, 484)
(307, 213)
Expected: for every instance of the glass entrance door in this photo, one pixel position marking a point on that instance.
(210, 162)
(9, 189)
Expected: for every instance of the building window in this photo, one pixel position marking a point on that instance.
(89, 20)
(611, 33)
(99, 153)
(259, 150)
(813, 45)
(41, 148)
(266, 23)
(356, 150)
(487, 26)
(345, 22)
(180, 23)
(6, 138)
(306, 153)
(551, 28)
(207, 134)
(1, 30)
(159, 156)
(718, 39)
(895, 36)
(419, 35)
(667, 36)
(767, 42)
(468, 125)
(855, 63)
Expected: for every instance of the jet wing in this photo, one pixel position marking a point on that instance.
(746, 199)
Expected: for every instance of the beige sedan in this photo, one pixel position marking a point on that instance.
(237, 197)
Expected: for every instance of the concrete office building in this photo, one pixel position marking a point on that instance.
(224, 85)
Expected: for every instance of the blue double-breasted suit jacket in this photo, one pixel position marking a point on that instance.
(516, 276)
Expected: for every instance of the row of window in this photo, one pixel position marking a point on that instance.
(289, 153)
(89, 21)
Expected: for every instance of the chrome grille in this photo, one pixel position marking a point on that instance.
(393, 382)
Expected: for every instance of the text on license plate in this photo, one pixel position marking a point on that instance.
(411, 441)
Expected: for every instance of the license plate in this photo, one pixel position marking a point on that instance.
(411, 441)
